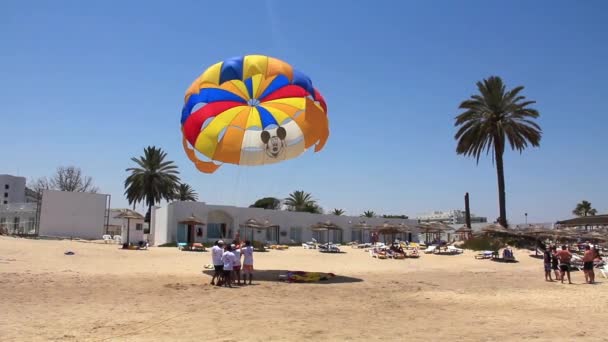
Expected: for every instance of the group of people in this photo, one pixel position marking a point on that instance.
(227, 263)
(560, 261)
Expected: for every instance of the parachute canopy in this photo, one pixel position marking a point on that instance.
(252, 110)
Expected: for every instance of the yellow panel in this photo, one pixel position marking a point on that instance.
(254, 64)
(254, 119)
(255, 84)
(238, 84)
(212, 74)
(206, 142)
(287, 109)
(297, 102)
(234, 87)
(278, 67)
(241, 119)
(278, 114)
(263, 85)
(203, 166)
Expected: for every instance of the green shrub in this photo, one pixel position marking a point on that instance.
(168, 244)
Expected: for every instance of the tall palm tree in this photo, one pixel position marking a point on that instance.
(184, 192)
(300, 201)
(338, 212)
(492, 117)
(368, 213)
(153, 180)
(584, 209)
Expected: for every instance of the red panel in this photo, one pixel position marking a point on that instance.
(192, 126)
(286, 91)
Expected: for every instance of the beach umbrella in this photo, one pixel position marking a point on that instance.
(129, 215)
(192, 220)
(363, 226)
(325, 226)
(464, 232)
(254, 224)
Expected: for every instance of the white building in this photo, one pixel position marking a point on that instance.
(450, 217)
(73, 214)
(223, 222)
(12, 189)
(120, 226)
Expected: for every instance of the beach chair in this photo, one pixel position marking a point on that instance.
(118, 239)
(107, 238)
(430, 249)
(183, 246)
(455, 250)
(197, 246)
(604, 270)
(484, 255)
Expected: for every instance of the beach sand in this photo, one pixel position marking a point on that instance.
(103, 293)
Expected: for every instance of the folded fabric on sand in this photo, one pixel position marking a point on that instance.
(305, 277)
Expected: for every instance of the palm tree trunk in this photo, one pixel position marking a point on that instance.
(500, 172)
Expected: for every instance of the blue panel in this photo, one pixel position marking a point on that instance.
(232, 69)
(266, 118)
(278, 83)
(208, 95)
(303, 81)
(249, 85)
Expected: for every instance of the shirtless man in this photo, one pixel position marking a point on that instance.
(564, 257)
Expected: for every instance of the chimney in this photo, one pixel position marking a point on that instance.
(467, 210)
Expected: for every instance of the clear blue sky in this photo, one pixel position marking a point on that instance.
(92, 83)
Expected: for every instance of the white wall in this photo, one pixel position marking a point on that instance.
(72, 214)
(134, 235)
(165, 221)
(16, 189)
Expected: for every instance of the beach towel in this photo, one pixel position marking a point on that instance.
(306, 277)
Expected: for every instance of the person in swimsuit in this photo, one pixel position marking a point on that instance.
(564, 257)
(547, 264)
(555, 262)
(588, 265)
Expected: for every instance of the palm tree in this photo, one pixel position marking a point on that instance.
(368, 213)
(489, 119)
(338, 212)
(300, 201)
(584, 209)
(184, 192)
(153, 180)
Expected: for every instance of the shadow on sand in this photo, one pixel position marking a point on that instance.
(273, 276)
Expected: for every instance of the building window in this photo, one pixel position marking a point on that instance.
(5, 202)
(139, 226)
(214, 231)
(295, 234)
(6, 195)
(6, 187)
(16, 221)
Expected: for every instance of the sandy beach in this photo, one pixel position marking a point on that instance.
(103, 293)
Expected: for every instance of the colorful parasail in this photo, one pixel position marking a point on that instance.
(252, 110)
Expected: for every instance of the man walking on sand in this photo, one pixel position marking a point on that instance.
(247, 253)
(216, 256)
(564, 257)
(547, 262)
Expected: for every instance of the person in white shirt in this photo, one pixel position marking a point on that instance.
(236, 268)
(216, 256)
(247, 253)
(229, 260)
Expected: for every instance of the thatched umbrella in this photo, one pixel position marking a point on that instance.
(363, 226)
(254, 224)
(325, 227)
(496, 228)
(192, 221)
(129, 215)
(464, 232)
(391, 229)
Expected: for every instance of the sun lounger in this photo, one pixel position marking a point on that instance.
(485, 255)
(455, 250)
(430, 249)
(183, 246)
(604, 270)
(197, 246)
(107, 238)
(309, 245)
(118, 239)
